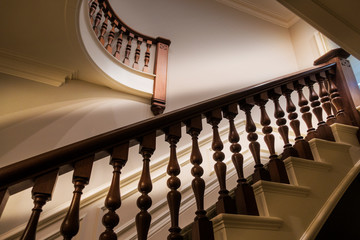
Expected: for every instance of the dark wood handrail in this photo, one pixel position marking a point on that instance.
(19, 176)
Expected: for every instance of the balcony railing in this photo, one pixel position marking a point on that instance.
(117, 38)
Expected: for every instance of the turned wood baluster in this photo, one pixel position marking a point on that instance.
(41, 193)
(301, 145)
(225, 204)
(244, 195)
(305, 110)
(143, 218)
(104, 28)
(202, 228)
(92, 10)
(128, 49)
(173, 135)
(111, 36)
(4, 196)
(82, 170)
(147, 56)
(276, 167)
(260, 173)
(323, 130)
(325, 99)
(137, 53)
(336, 99)
(110, 220)
(119, 43)
(97, 21)
(289, 150)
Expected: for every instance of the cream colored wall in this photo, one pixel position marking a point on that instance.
(304, 42)
(309, 44)
(215, 49)
(36, 117)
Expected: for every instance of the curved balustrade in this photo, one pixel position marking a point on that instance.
(127, 46)
(44, 168)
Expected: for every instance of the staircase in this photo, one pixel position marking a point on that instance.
(290, 199)
(299, 210)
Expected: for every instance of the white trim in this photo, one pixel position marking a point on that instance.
(24, 67)
(246, 222)
(280, 188)
(259, 11)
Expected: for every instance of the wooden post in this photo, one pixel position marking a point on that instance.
(161, 61)
(345, 82)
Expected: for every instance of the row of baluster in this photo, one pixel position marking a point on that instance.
(327, 99)
(100, 18)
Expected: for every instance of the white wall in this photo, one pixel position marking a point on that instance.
(215, 49)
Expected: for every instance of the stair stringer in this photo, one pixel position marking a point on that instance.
(304, 205)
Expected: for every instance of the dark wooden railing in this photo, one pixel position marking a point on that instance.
(333, 75)
(111, 32)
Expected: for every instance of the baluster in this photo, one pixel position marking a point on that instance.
(110, 220)
(336, 99)
(323, 130)
(260, 173)
(173, 135)
(82, 170)
(111, 36)
(304, 109)
(4, 196)
(119, 43)
(128, 49)
(244, 195)
(301, 145)
(97, 21)
(92, 10)
(137, 53)
(104, 28)
(147, 56)
(202, 228)
(325, 99)
(41, 193)
(143, 218)
(289, 150)
(225, 204)
(276, 167)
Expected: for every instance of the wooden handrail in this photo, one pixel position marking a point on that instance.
(18, 176)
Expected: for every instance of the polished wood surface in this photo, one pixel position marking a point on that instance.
(173, 135)
(119, 157)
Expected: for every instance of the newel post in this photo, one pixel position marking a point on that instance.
(344, 79)
(161, 61)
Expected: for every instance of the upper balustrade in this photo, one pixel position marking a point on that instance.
(132, 48)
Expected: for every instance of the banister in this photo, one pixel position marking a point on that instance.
(18, 176)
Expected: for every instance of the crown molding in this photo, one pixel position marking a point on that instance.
(277, 15)
(34, 70)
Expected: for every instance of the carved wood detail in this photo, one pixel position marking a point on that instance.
(173, 135)
(110, 220)
(41, 193)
